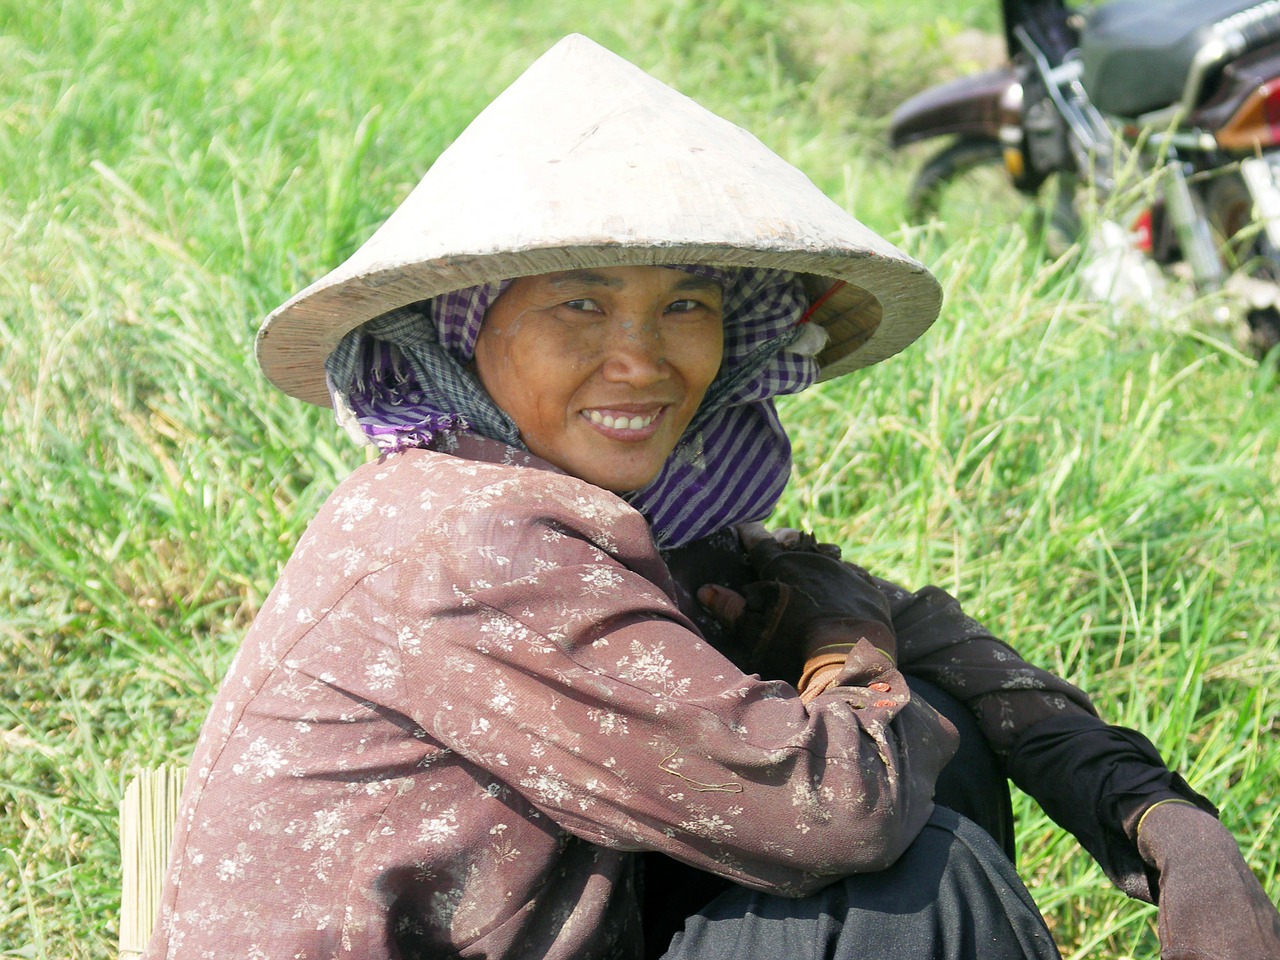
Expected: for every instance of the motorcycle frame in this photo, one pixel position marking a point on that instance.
(1091, 138)
(1178, 140)
(1099, 148)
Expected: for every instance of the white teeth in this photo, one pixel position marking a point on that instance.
(619, 423)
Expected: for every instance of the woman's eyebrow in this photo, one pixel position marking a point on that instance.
(694, 282)
(589, 278)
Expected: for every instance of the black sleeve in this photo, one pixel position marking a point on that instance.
(1095, 781)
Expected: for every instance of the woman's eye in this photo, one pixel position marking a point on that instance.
(684, 306)
(584, 305)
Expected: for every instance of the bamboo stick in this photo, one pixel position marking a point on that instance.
(148, 813)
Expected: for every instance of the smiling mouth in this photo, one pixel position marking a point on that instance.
(622, 421)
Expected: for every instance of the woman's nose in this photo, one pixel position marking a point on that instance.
(635, 353)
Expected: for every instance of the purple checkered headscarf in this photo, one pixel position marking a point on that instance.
(402, 380)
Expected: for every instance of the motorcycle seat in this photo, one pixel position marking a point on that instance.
(1136, 54)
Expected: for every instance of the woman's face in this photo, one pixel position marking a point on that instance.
(602, 369)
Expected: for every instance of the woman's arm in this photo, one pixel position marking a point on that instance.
(1094, 779)
(559, 663)
(938, 642)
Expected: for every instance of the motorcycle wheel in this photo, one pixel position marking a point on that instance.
(965, 188)
(973, 164)
(1230, 211)
(1244, 247)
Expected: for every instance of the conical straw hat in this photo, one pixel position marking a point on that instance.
(587, 161)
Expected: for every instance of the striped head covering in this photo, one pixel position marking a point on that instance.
(401, 380)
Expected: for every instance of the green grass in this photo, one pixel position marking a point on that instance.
(1098, 484)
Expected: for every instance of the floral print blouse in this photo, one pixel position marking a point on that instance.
(469, 701)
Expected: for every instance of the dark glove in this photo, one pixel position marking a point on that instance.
(1211, 906)
(803, 600)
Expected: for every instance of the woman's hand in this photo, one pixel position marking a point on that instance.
(755, 533)
(1212, 907)
(803, 601)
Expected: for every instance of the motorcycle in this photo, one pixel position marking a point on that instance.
(1186, 92)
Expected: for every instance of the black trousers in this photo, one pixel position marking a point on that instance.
(954, 894)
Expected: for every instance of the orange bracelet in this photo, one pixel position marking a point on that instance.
(823, 663)
(820, 682)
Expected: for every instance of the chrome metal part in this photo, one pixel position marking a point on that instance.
(1093, 142)
(1230, 38)
(1192, 227)
(1262, 176)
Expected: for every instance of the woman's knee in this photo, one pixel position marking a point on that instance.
(952, 894)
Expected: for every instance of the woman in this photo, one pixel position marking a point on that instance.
(479, 692)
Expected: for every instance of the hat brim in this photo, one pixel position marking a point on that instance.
(587, 161)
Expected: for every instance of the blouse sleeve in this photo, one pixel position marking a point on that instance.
(555, 659)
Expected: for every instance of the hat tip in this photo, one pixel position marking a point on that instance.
(571, 38)
(579, 43)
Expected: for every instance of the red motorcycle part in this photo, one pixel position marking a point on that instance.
(1142, 231)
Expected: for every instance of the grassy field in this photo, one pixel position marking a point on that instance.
(1098, 484)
